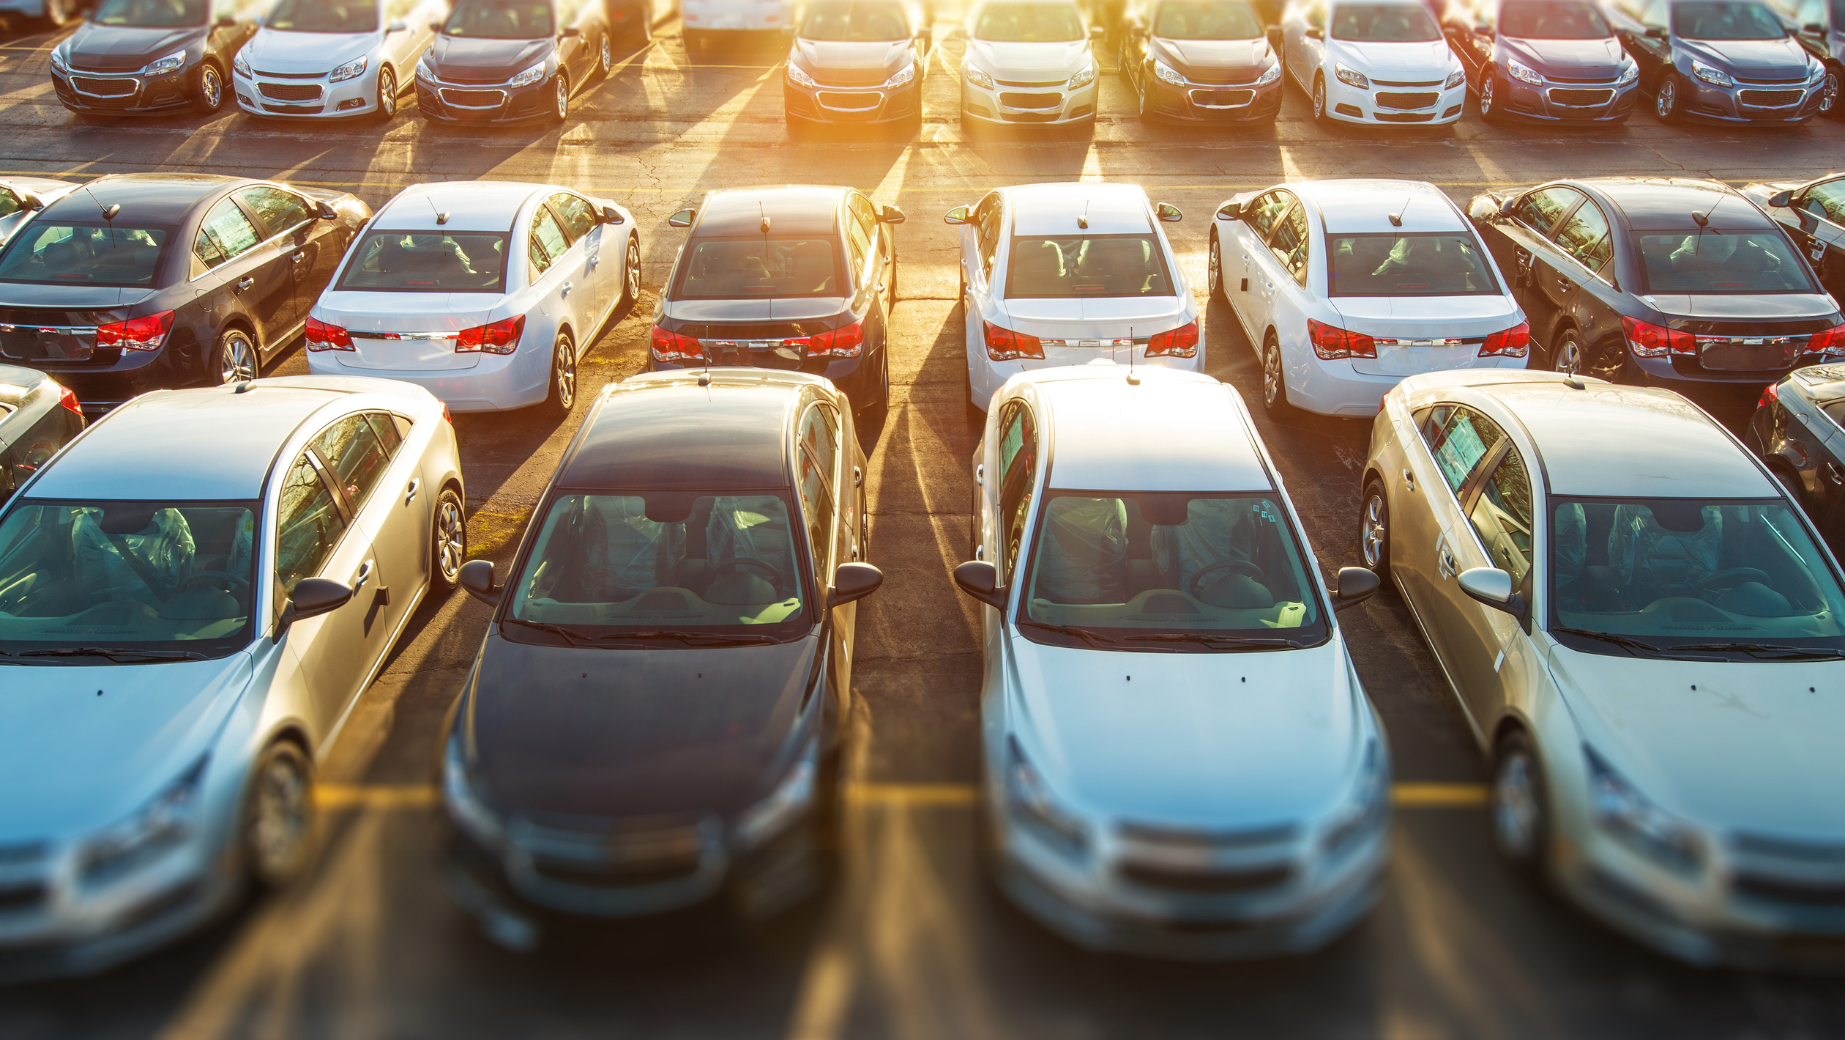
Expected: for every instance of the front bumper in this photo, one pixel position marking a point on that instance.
(491, 103)
(1213, 103)
(1051, 105)
(125, 93)
(852, 104)
(305, 97)
(1554, 102)
(1394, 105)
(1751, 102)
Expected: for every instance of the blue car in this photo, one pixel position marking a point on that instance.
(1720, 61)
(1554, 61)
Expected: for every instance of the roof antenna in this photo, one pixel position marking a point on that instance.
(1702, 220)
(765, 218)
(1133, 380)
(441, 214)
(108, 212)
(1396, 219)
(1083, 221)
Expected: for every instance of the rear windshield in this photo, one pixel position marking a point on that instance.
(402, 261)
(1721, 262)
(850, 20)
(1085, 266)
(757, 267)
(150, 14)
(1383, 23)
(325, 16)
(1553, 20)
(1029, 23)
(500, 19)
(1207, 20)
(79, 254)
(1726, 20)
(1408, 265)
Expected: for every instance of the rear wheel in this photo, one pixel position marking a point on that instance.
(278, 826)
(562, 396)
(234, 359)
(448, 543)
(1566, 356)
(1374, 528)
(1520, 812)
(1274, 381)
(879, 406)
(631, 279)
(1489, 96)
(1214, 280)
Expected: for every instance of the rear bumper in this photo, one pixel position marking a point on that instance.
(500, 382)
(1335, 388)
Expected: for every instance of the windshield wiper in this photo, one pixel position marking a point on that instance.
(114, 653)
(1609, 637)
(700, 638)
(1803, 653)
(1092, 638)
(573, 638)
(1212, 639)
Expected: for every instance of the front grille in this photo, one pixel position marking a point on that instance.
(110, 88)
(292, 110)
(1012, 99)
(1030, 83)
(1404, 117)
(1579, 96)
(474, 98)
(1789, 890)
(1222, 98)
(1790, 849)
(850, 102)
(1769, 98)
(1222, 881)
(18, 898)
(1196, 840)
(638, 852)
(289, 75)
(291, 92)
(1405, 83)
(1418, 99)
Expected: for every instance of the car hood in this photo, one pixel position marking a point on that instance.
(73, 760)
(1413, 317)
(1218, 740)
(1093, 318)
(1582, 59)
(298, 53)
(852, 64)
(1197, 59)
(1030, 62)
(1745, 306)
(584, 731)
(798, 309)
(484, 60)
(1747, 58)
(408, 312)
(1726, 745)
(1413, 62)
(125, 49)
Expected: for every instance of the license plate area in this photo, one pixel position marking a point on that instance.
(1748, 353)
(27, 343)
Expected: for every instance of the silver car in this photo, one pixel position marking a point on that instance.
(186, 619)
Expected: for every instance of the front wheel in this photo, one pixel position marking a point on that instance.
(387, 95)
(234, 359)
(561, 102)
(278, 828)
(448, 543)
(1319, 98)
(1668, 101)
(562, 396)
(1374, 528)
(210, 91)
(1518, 806)
(1829, 95)
(605, 58)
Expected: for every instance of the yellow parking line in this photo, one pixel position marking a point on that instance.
(1438, 796)
(908, 795)
(376, 796)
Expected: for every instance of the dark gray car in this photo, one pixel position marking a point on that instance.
(38, 416)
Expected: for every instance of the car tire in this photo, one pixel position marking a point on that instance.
(561, 388)
(1829, 95)
(234, 358)
(208, 94)
(1790, 482)
(448, 543)
(278, 816)
(1320, 114)
(387, 95)
(879, 406)
(631, 273)
(605, 58)
(1214, 277)
(1517, 805)
(1374, 528)
(1274, 381)
(1489, 96)
(1669, 97)
(1566, 351)
(560, 104)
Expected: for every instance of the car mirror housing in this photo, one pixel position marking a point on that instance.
(958, 215)
(890, 215)
(1781, 199)
(853, 581)
(1657, 32)
(570, 32)
(477, 577)
(325, 211)
(1814, 29)
(1231, 211)
(611, 215)
(683, 218)
(1484, 209)
(312, 597)
(1354, 586)
(1314, 33)
(1493, 587)
(980, 579)
(1169, 213)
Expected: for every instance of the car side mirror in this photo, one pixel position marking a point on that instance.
(477, 578)
(1656, 32)
(683, 218)
(1097, 32)
(1314, 33)
(890, 215)
(1813, 28)
(853, 581)
(1168, 213)
(1493, 587)
(1354, 586)
(980, 579)
(611, 215)
(27, 200)
(325, 211)
(396, 25)
(225, 21)
(1484, 209)
(1231, 211)
(436, 27)
(958, 215)
(570, 32)
(1781, 199)
(312, 597)
(1483, 30)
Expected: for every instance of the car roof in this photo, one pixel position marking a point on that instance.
(470, 205)
(145, 198)
(1361, 205)
(1052, 209)
(1174, 431)
(801, 209)
(1667, 203)
(1824, 383)
(672, 433)
(172, 445)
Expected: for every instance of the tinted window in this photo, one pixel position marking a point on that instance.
(1290, 244)
(278, 210)
(987, 219)
(390, 434)
(229, 231)
(9, 203)
(1029, 23)
(858, 245)
(501, 19)
(1207, 20)
(1540, 209)
(811, 479)
(1086, 266)
(1018, 454)
(1383, 23)
(1721, 262)
(1725, 20)
(548, 243)
(1501, 516)
(850, 20)
(325, 16)
(1266, 209)
(308, 526)
(150, 14)
(1465, 439)
(358, 458)
(1407, 265)
(819, 434)
(579, 216)
(752, 267)
(1826, 200)
(1553, 20)
(1584, 235)
(65, 254)
(399, 261)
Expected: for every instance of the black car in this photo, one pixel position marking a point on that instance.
(1814, 213)
(1720, 61)
(140, 56)
(635, 18)
(857, 61)
(1675, 283)
(1555, 61)
(37, 417)
(512, 61)
(1201, 61)
(656, 713)
(800, 278)
(150, 280)
(1799, 430)
(1819, 25)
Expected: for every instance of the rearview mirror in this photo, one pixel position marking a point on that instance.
(853, 581)
(1231, 211)
(1355, 585)
(325, 211)
(1781, 199)
(611, 215)
(1493, 587)
(1168, 213)
(683, 218)
(312, 597)
(890, 215)
(477, 578)
(958, 215)
(980, 579)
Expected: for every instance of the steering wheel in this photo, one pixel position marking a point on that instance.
(238, 582)
(1730, 577)
(735, 562)
(1240, 566)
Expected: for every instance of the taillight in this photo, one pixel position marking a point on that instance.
(68, 400)
(1512, 342)
(322, 336)
(1648, 340)
(1831, 341)
(1179, 342)
(146, 333)
(1770, 394)
(844, 342)
(1007, 345)
(447, 418)
(501, 337)
(1331, 343)
(671, 346)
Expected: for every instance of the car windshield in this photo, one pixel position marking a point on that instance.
(1383, 23)
(756, 266)
(130, 576)
(1440, 264)
(652, 561)
(1168, 571)
(1085, 266)
(78, 254)
(1715, 261)
(324, 16)
(1207, 20)
(404, 261)
(1678, 572)
(1029, 23)
(1553, 20)
(1725, 20)
(849, 20)
(150, 14)
(500, 19)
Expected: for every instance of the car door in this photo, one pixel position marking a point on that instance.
(602, 276)
(1135, 27)
(1452, 440)
(1518, 238)
(1586, 243)
(287, 221)
(1826, 503)
(236, 272)
(1550, 273)
(980, 255)
(1278, 276)
(818, 455)
(1250, 237)
(1653, 54)
(389, 510)
(559, 269)
(407, 34)
(313, 538)
(1820, 210)
(883, 247)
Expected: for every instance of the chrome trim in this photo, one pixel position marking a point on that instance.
(67, 330)
(442, 92)
(421, 337)
(873, 107)
(113, 79)
(1190, 96)
(1550, 96)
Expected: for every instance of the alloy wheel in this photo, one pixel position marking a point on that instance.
(633, 286)
(1375, 533)
(211, 88)
(1214, 278)
(563, 99)
(1665, 103)
(451, 539)
(280, 815)
(1319, 98)
(1568, 355)
(607, 56)
(1829, 93)
(1518, 814)
(564, 376)
(387, 93)
(236, 358)
(1274, 387)
(1487, 100)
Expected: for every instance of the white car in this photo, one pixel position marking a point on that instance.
(1374, 61)
(1028, 61)
(439, 292)
(21, 197)
(1346, 286)
(1179, 759)
(1062, 274)
(1644, 632)
(329, 59)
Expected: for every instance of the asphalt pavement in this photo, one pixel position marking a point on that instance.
(909, 943)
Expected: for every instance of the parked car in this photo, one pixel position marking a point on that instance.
(1675, 282)
(703, 540)
(1393, 44)
(20, 197)
(1820, 28)
(500, 62)
(154, 280)
(1721, 61)
(1207, 61)
(710, 23)
(635, 18)
(192, 597)
(1344, 287)
(1813, 214)
(785, 278)
(858, 61)
(1177, 756)
(57, 12)
(1554, 61)
(1062, 274)
(330, 59)
(1634, 618)
(1028, 61)
(1796, 430)
(133, 57)
(484, 293)
(38, 416)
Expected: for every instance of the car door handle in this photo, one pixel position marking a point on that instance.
(245, 284)
(364, 575)
(299, 257)
(595, 262)
(980, 552)
(1834, 473)
(567, 287)
(1409, 480)
(410, 492)
(1444, 560)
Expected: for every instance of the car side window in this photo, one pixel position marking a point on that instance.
(1460, 444)
(1265, 210)
(1826, 200)
(811, 481)
(1540, 209)
(818, 434)
(358, 459)
(390, 434)
(1290, 244)
(547, 244)
(986, 227)
(579, 216)
(224, 235)
(279, 211)
(308, 526)
(1835, 411)
(858, 249)
(1018, 478)
(9, 203)
(1430, 420)
(1501, 515)
(1584, 236)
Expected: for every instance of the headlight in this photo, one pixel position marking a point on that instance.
(1167, 73)
(1629, 73)
(170, 63)
(165, 821)
(57, 60)
(535, 74)
(786, 804)
(1083, 78)
(1625, 813)
(900, 77)
(1368, 805)
(1351, 77)
(241, 66)
(1031, 801)
(351, 70)
(799, 74)
(1818, 73)
(1269, 75)
(978, 77)
(1455, 79)
(422, 70)
(471, 815)
(1715, 77)
(1524, 73)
